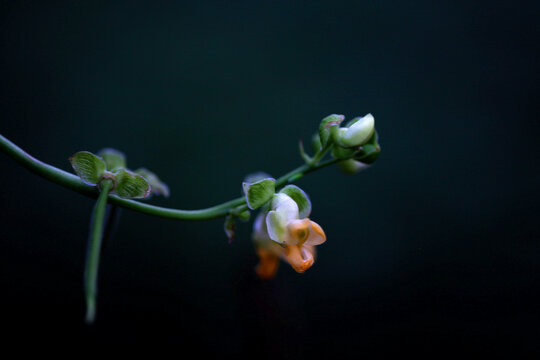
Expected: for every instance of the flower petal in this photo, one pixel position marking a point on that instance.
(301, 199)
(359, 132)
(298, 231)
(316, 234)
(276, 225)
(268, 264)
(285, 205)
(299, 257)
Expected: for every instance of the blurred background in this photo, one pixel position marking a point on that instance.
(435, 247)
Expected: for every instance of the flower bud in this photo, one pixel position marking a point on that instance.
(359, 132)
(326, 126)
(351, 166)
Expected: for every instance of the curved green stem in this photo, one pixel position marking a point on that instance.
(94, 249)
(74, 183)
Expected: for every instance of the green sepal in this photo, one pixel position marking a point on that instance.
(157, 186)
(301, 199)
(114, 159)
(130, 185)
(342, 153)
(351, 166)
(88, 167)
(230, 227)
(326, 125)
(370, 151)
(258, 193)
(242, 215)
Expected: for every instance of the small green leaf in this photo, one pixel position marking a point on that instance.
(158, 187)
(326, 124)
(258, 193)
(88, 166)
(230, 227)
(114, 159)
(301, 199)
(130, 185)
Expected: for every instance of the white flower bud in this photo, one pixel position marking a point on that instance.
(357, 134)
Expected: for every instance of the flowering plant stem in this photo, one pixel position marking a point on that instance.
(73, 182)
(94, 250)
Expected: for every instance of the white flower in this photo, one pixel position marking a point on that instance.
(284, 232)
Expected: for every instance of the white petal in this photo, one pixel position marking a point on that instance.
(276, 225)
(359, 132)
(286, 206)
(316, 234)
(260, 233)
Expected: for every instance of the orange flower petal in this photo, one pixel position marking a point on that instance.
(298, 231)
(316, 234)
(268, 264)
(299, 257)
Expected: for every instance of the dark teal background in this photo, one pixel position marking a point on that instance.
(436, 247)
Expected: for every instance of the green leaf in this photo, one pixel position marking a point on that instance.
(301, 199)
(230, 227)
(258, 193)
(114, 159)
(326, 124)
(158, 187)
(130, 185)
(88, 166)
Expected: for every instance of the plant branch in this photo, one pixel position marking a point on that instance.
(94, 249)
(73, 182)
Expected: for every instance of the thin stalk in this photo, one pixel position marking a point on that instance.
(94, 250)
(73, 182)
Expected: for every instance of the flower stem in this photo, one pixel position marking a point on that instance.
(73, 182)
(94, 250)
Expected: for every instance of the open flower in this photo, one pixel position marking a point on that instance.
(285, 231)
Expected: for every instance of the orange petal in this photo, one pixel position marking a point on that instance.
(268, 264)
(299, 257)
(316, 234)
(298, 231)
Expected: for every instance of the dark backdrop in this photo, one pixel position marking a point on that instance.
(434, 248)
